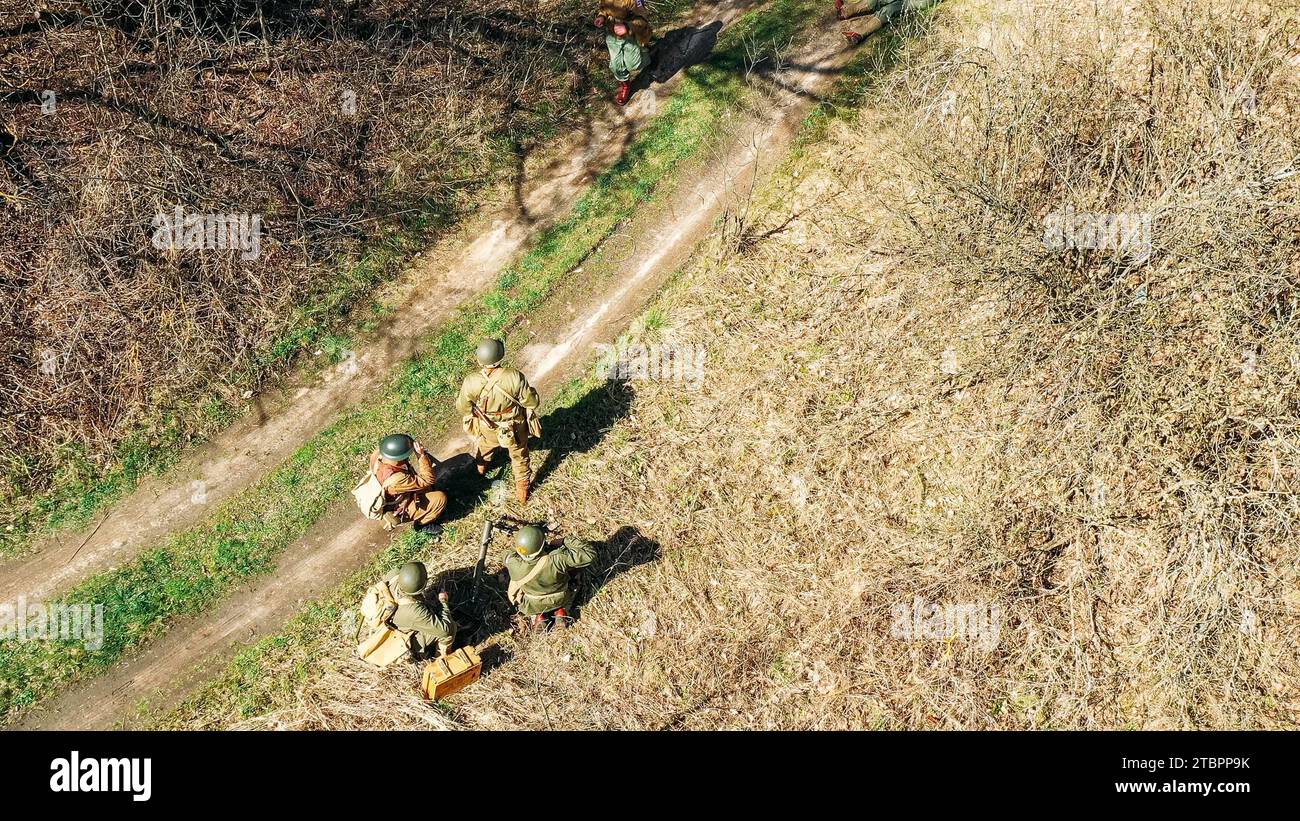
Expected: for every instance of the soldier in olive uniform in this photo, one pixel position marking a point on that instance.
(429, 625)
(541, 575)
(496, 405)
(880, 13)
(405, 470)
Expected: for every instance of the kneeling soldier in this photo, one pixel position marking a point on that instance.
(430, 626)
(541, 575)
(407, 482)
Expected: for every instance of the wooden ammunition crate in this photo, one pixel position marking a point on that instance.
(451, 673)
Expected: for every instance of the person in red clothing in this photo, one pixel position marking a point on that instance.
(406, 472)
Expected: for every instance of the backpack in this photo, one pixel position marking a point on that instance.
(369, 495)
(386, 643)
(378, 605)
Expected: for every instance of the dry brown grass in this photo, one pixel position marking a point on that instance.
(234, 107)
(909, 396)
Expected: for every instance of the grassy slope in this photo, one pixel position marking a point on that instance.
(240, 540)
(879, 428)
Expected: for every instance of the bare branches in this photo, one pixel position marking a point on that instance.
(335, 121)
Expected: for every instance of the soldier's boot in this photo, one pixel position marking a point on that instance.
(521, 490)
(624, 92)
(839, 9)
(562, 619)
(868, 26)
(539, 622)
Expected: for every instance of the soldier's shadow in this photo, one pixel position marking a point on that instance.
(580, 427)
(626, 550)
(464, 486)
(676, 51)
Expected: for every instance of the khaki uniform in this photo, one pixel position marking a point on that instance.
(503, 399)
(551, 588)
(408, 489)
(429, 624)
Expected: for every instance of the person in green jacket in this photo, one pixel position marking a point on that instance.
(428, 624)
(541, 575)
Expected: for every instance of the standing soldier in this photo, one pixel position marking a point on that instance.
(884, 13)
(541, 575)
(407, 482)
(498, 410)
(429, 626)
(627, 39)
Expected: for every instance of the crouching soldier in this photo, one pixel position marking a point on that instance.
(541, 576)
(498, 410)
(879, 13)
(627, 36)
(429, 625)
(405, 472)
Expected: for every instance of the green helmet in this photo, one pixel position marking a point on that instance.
(490, 352)
(397, 447)
(528, 540)
(412, 577)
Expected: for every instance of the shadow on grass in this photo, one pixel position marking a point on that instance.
(581, 426)
(677, 51)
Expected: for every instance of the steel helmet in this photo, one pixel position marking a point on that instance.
(528, 540)
(397, 447)
(490, 352)
(412, 577)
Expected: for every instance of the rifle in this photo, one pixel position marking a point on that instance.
(509, 524)
(482, 559)
(475, 410)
